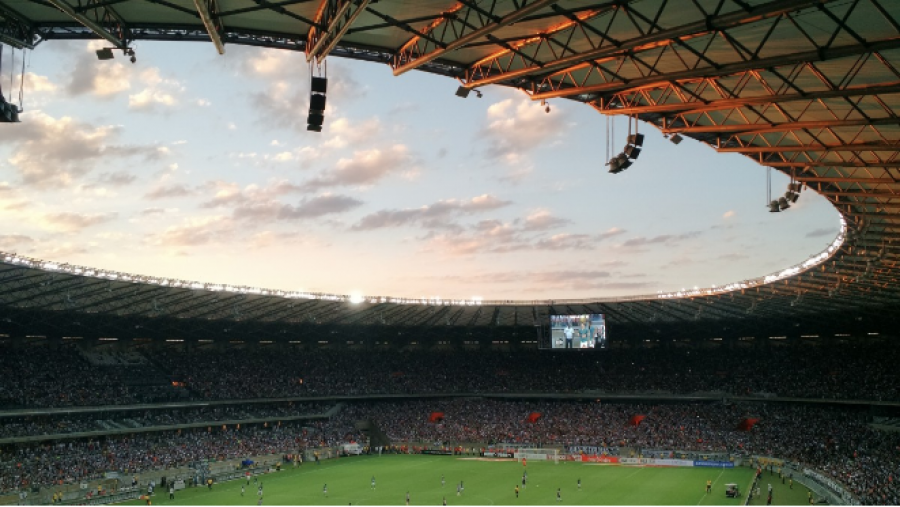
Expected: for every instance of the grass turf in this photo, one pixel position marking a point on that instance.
(486, 483)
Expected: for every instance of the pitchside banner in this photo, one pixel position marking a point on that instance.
(714, 464)
(593, 458)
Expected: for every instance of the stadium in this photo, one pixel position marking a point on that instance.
(781, 388)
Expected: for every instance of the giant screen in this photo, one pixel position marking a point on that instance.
(583, 332)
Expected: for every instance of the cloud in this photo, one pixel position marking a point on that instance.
(610, 233)
(364, 169)
(314, 207)
(661, 239)
(155, 211)
(116, 179)
(566, 242)
(542, 220)
(51, 152)
(728, 214)
(430, 215)
(733, 257)
(13, 241)
(818, 233)
(35, 83)
(169, 192)
(73, 222)
(103, 79)
(228, 194)
(196, 231)
(515, 127)
(158, 92)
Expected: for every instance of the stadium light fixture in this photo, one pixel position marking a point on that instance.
(675, 138)
(105, 54)
(317, 88)
(773, 207)
(462, 92)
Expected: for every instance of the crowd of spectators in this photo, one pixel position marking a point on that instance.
(59, 376)
(848, 372)
(60, 424)
(834, 440)
(73, 462)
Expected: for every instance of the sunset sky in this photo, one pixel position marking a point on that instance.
(197, 166)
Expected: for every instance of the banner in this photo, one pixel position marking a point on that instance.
(714, 464)
(667, 462)
(442, 452)
(593, 458)
(533, 417)
(636, 419)
(630, 461)
(498, 454)
(436, 417)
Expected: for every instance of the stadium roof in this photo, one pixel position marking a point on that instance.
(810, 88)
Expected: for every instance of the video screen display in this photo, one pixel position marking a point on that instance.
(585, 332)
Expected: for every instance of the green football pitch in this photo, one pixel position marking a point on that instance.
(486, 483)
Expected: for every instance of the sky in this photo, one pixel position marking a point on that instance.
(196, 166)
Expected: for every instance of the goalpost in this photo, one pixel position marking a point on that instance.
(538, 454)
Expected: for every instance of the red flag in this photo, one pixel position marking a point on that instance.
(636, 419)
(533, 417)
(747, 424)
(436, 417)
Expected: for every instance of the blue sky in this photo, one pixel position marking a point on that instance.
(197, 166)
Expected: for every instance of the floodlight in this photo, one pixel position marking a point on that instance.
(795, 187)
(773, 207)
(478, 93)
(319, 84)
(791, 196)
(105, 54)
(314, 128)
(632, 152)
(315, 119)
(675, 138)
(783, 203)
(614, 165)
(317, 102)
(636, 139)
(9, 113)
(624, 163)
(462, 91)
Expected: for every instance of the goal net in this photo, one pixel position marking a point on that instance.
(538, 455)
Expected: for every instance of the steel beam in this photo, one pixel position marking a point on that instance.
(90, 24)
(662, 37)
(849, 179)
(332, 22)
(208, 11)
(742, 129)
(810, 147)
(16, 30)
(720, 70)
(855, 163)
(724, 104)
(418, 51)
